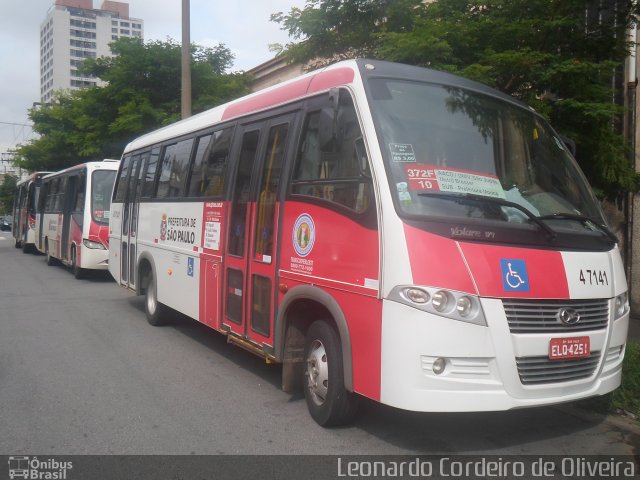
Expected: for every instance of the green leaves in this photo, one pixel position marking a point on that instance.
(142, 93)
(563, 57)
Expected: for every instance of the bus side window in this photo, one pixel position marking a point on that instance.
(240, 200)
(196, 182)
(44, 193)
(329, 163)
(210, 164)
(120, 192)
(48, 202)
(174, 169)
(78, 205)
(274, 157)
(59, 207)
(150, 174)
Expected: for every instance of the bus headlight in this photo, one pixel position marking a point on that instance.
(621, 305)
(416, 295)
(438, 301)
(464, 306)
(93, 245)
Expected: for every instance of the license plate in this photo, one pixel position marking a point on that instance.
(572, 347)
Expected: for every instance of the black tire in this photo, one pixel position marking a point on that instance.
(328, 401)
(26, 248)
(49, 259)
(157, 313)
(77, 272)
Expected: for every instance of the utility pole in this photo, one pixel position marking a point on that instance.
(186, 59)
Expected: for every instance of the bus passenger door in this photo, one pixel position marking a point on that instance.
(130, 222)
(67, 206)
(250, 267)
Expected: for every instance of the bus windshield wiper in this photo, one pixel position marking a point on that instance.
(472, 198)
(587, 221)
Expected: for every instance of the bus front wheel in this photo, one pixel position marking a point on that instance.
(156, 312)
(77, 272)
(328, 400)
(50, 260)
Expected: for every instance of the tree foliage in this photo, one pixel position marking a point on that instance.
(142, 94)
(563, 57)
(7, 189)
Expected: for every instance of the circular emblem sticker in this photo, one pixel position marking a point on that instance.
(304, 234)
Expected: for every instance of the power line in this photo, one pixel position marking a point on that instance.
(17, 124)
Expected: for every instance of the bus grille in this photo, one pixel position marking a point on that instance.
(540, 316)
(539, 370)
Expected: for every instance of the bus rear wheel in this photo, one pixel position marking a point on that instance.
(328, 401)
(157, 314)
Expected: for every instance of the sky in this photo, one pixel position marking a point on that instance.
(242, 25)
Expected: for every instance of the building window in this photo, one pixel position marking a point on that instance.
(125, 32)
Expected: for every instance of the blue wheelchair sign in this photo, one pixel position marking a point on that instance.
(514, 275)
(190, 267)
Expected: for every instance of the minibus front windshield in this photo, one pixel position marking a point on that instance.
(101, 195)
(454, 154)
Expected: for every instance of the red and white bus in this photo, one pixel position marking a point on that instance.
(24, 211)
(73, 216)
(383, 231)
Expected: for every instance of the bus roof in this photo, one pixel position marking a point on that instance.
(32, 177)
(334, 75)
(106, 164)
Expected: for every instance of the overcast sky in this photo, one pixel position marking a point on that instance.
(242, 25)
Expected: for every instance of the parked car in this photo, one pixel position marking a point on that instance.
(5, 223)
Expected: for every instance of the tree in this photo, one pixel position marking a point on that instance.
(7, 192)
(142, 94)
(563, 57)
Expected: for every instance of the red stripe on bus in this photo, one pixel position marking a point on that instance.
(544, 268)
(297, 89)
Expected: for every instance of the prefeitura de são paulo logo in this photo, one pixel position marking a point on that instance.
(304, 235)
(163, 227)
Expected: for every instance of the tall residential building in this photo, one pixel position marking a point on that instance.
(74, 31)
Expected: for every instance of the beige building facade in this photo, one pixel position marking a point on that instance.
(73, 31)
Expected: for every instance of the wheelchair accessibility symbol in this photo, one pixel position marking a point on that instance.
(514, 275)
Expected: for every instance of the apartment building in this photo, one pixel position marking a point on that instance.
(73, 31)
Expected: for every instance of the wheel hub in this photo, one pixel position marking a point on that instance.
(317, 372)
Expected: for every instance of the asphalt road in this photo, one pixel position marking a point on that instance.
(81, 372)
